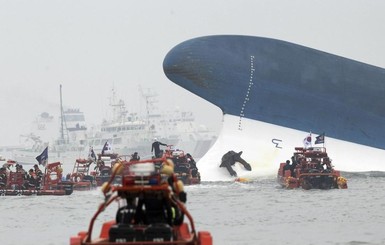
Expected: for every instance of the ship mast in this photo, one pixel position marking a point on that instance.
(61, 117)
(119, 111)
(62, 121)
(149, 103)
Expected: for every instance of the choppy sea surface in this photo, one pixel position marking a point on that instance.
(258, 212)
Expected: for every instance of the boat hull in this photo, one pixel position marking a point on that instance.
(154, 211)
(312, 181)
(273, 92)
(60, 190)
(133, 234)
(310, 168)
(272, 81)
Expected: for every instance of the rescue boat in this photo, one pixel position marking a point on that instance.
(104, 166)
(81, 176)
(135, 224)
(185, 166)
(51, 183)
(310, 168)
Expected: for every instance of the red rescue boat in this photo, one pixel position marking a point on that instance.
(140, 181)
(185, 168)
(310, 168)
(15, 183)
(81, 176)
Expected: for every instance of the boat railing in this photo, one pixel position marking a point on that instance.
(310, 149)
(136, 185)
(15, 180)
(302, 175)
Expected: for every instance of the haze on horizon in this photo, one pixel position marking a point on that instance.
(90, 47)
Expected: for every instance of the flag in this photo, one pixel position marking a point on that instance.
(43, 157)
(307, 141)
(91, 154)
(106, 147)
(320, 139)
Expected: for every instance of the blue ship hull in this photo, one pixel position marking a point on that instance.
(273, 93)
(284, 84)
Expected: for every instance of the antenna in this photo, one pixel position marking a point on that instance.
(147, 95)
(61, 116)
(62, 121)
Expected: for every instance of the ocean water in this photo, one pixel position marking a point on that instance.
(259, 212)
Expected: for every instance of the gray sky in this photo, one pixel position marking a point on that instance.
(91, 46)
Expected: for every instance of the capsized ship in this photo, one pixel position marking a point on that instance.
(272, 92)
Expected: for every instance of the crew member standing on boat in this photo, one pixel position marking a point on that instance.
(193, 166)
(3, 177)
(156, 148)
(39, 175)
(178, 190)
(31, 179)
(286, 167)
(135, 157)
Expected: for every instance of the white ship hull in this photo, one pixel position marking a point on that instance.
(266, 145)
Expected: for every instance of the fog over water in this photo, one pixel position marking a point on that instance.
(91, 46)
